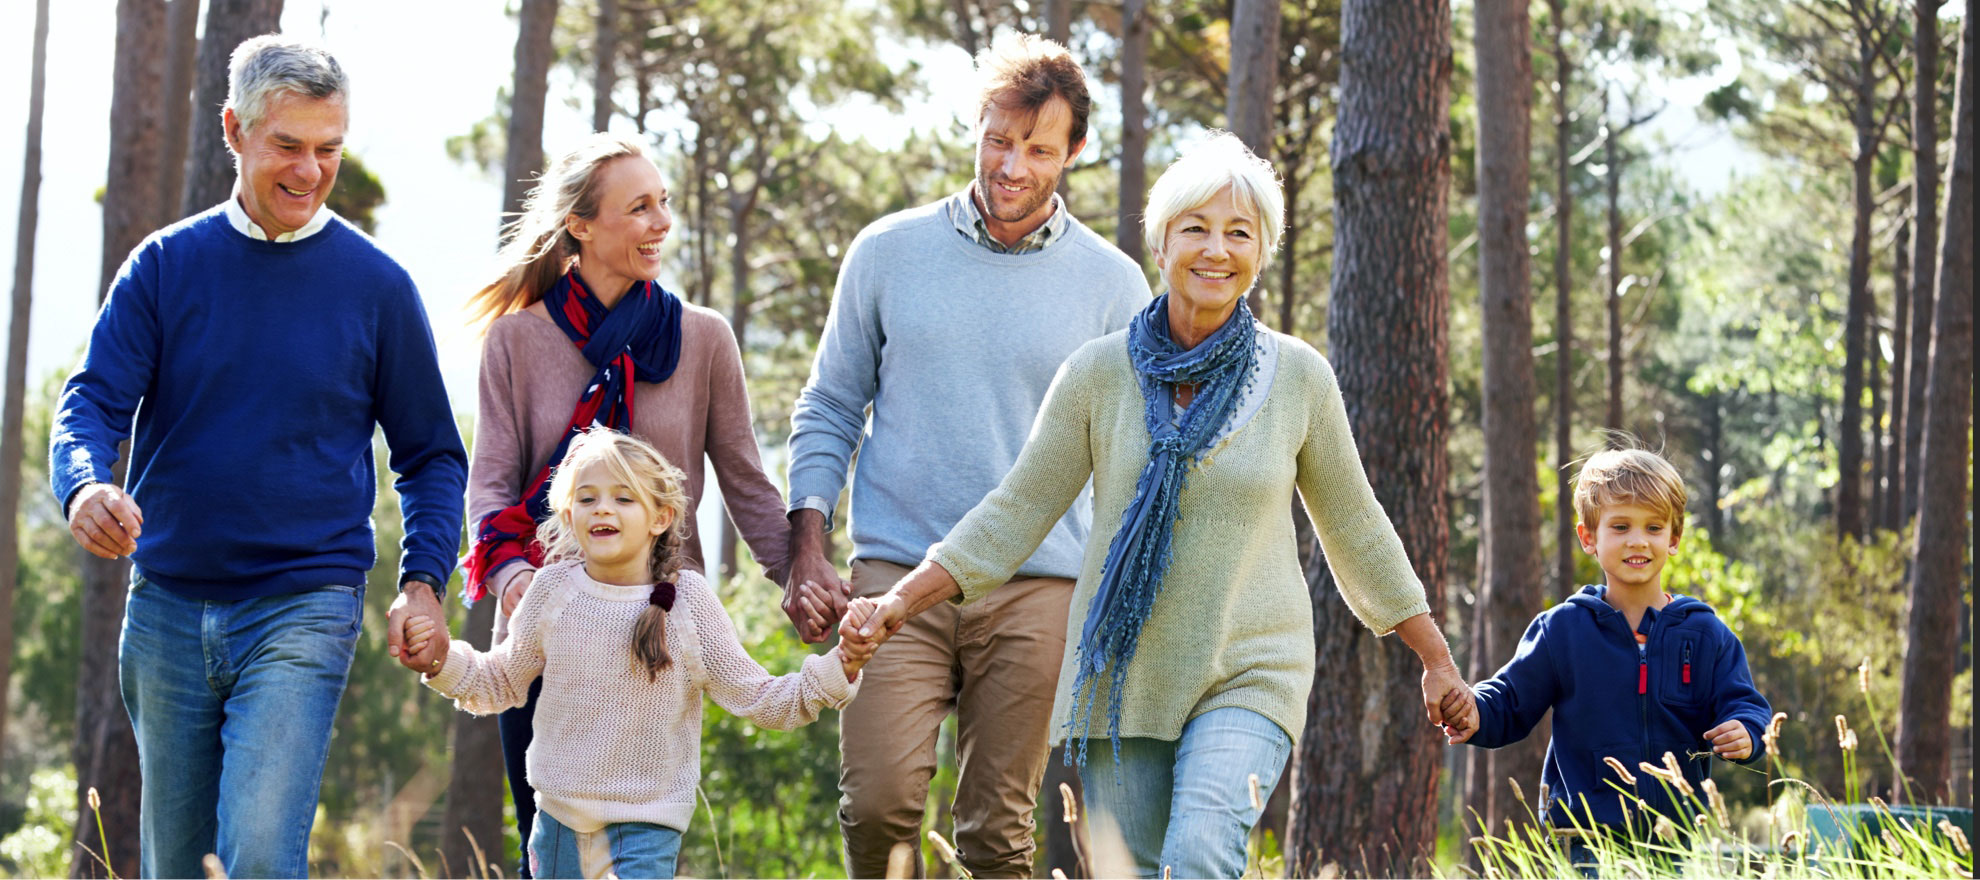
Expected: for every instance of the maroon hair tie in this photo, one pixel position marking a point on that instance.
(662, 597)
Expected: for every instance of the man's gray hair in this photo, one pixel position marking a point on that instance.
(270, 63)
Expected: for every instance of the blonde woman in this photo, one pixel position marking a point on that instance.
(579, 333)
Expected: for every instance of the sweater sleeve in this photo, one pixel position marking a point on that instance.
(739, 684)
(986, 547)
(486, 682)
(752, 500)
(497, 472)
(1737, 698)
(1362, 548)
(410, 405)
(1511, 702)
(830, 413)
(93, 414)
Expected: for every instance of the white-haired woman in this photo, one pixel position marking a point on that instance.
(579, 334)
(1191, 616)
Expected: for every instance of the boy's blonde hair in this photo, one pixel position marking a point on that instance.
(659, 487)
(1629, 476)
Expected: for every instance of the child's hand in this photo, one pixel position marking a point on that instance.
(1460, 710)
(420, 629)
(1731, 741)
(853, 654)
(875, 619)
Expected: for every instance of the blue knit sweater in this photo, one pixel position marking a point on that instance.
(255, 372)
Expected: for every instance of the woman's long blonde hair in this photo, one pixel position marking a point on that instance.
(536, 247)
(659, 487)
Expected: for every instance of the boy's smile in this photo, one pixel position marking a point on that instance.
(1631, 542)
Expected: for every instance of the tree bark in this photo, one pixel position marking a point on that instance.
(1924, 236)
(209, 176)
(181, 51)
(1253, 86)
(605, 69)
(1873, 356)
(1058, 22)
(1932, 634)
(105, 750)
(1509, 583)
(475, 778)
(1564, 542)
(1612, 156)
(12, 444)
(1134, 127)
(1890, 516)
(1849, 434)
(1365, 774)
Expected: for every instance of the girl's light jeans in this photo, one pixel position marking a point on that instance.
(624, 849)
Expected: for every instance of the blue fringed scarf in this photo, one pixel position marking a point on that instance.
(1220, 367)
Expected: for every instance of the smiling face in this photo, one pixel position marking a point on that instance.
(1020, 155)
(621, 244)
(614, 529)
(1631, 542)
(1209, 256)
(288, 162)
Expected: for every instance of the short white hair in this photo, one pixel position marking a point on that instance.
(1219, 161)
(270, 63)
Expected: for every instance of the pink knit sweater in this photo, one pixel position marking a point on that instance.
(612, 746)
(530, 378)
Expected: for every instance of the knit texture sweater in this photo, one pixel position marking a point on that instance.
(953, 347)
(611, 745)
(531, 376)
(262, 368)
(1232, 625)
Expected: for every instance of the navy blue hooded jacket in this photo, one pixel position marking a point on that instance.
(1580, 659)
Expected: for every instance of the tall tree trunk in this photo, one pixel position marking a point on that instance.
(106, 752)
(1924, 236)
(1288, 255)
(1932, 635)
(1253, 85)
(1891, 516)
(1873, 355)
(605, 64)
(1564, 543)
(1134, 127)
(1849, 434)
(1510, 580)
(1714, 453)
(11, 414)
(742, 207)
(181, 51)
(474, 783)
(1612, 156)
(209, 176)
(1058, 22)
(1365, 744)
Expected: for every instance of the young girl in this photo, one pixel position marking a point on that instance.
(627, 641)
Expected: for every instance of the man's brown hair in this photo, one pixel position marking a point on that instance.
(1023, 71)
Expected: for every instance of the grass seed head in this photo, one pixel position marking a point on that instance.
(1070, 804)
(900, 861)
(1863, 676)
(1257, 802)
(1958, 836)
(1717, 801)
(1677, 774)
(1519, 794)
(214, 870)
(1664, 829)
(942, 846)
(95, 800)
(1627, 777)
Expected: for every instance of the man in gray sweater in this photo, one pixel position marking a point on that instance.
(950, 321)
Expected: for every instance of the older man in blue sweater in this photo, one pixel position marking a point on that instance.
(256, 344)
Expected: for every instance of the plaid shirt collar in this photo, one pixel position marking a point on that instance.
(968, 220)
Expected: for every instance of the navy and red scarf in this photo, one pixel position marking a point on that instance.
(637, 340)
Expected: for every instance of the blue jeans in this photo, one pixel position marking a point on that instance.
(626, 849)
(1186, 804)
(232, 704)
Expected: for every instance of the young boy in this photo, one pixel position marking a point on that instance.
(1630, 671)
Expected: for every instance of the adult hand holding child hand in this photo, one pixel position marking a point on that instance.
(419, 633)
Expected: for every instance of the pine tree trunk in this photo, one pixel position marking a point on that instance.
(1510, 577)
(605, 69)
(1874, 362)
(1564, 542)
(181, 51)
(1365, 772)
(1849, 434)
(1892, 513)
(1924, 237)
(1253, 86)
(1612, 155)
(106, 752)
(209, 176)
(12, 444)
(1932, 635)
(1058, 24)
(1134, 127)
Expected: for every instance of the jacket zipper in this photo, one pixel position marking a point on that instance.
(1687, 662)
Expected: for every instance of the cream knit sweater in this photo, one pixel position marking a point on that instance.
(612, 746)
(1232, 624)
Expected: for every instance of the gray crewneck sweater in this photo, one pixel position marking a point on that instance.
(953, 347)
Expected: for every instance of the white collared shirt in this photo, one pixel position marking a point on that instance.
(245, 225)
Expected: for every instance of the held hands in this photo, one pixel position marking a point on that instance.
(420, 632)
(105, 521)
(873, 619)
(415, 600)
(1731, 741)
(1449, 704)
(814, 596)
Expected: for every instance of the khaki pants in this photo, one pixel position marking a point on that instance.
(995, 664)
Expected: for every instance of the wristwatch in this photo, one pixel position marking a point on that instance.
(439, 592)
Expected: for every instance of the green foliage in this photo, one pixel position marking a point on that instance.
(39, 846)
(358, 193)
